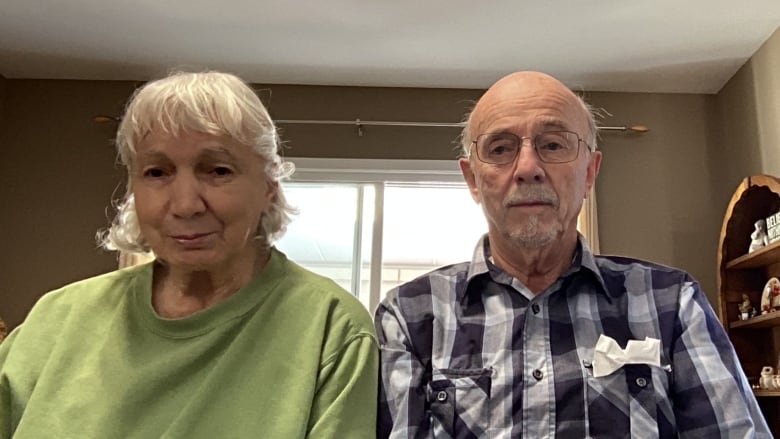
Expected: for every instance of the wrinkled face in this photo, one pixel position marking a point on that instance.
(199, 198)
(528, 202)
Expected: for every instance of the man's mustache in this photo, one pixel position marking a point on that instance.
(535, 193)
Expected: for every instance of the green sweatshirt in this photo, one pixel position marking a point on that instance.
(290, 355)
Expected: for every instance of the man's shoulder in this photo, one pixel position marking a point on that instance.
(440, 280)
(413, 300)
(412, 307)
(625, 263)
(627, 270)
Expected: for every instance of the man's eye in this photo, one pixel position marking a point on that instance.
(500, 149)
(551, 146)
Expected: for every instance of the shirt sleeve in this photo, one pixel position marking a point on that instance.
(712, 397)
(345, 404)
(402, 392)
(7, 408)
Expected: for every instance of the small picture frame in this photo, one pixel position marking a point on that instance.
(770, 297)
(773, 227)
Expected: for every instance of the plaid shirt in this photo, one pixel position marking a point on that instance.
(470, 352)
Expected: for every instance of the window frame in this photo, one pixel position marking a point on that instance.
(376, 172)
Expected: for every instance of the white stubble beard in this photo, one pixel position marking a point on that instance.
(534, 233)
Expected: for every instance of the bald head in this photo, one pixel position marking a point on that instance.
(508, 94)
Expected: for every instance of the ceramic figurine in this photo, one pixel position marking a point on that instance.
(766, 381)
(758, 238)
(746, 309)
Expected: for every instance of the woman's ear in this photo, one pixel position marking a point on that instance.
(272, 190)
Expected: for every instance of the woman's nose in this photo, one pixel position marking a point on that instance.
(186, 196)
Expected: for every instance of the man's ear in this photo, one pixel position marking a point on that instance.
(469, 177)
(594, 164)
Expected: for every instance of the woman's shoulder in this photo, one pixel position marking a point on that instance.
(68, 313)
(315, 294)
(90, 293)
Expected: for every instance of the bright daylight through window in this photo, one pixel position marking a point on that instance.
(370, 227)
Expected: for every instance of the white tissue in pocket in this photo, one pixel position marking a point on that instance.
(609, 357)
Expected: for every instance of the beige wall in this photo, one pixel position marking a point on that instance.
(766, 71)
(746, 122)
(56, 177)
(369, 103)
(3, 82)
(58, 171)
(654, 196)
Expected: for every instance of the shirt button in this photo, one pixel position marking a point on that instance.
(535, 308)
(538, 374)
(641, 382)
(441, 396)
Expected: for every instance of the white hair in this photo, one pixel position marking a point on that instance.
(208, 102)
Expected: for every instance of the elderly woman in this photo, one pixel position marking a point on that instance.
(221, 336)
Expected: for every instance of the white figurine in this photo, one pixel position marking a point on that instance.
(758, 238)
(766, 381)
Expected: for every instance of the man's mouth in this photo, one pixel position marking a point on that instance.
(529, 203)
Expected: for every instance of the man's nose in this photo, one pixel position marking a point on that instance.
(528, 166)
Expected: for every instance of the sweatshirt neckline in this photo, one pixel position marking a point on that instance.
(231, 308)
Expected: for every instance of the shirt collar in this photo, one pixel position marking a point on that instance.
(585, 258)
(481, 264)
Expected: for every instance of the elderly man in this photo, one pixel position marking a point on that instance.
(536, 336)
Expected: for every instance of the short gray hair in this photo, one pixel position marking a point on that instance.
(208, 102)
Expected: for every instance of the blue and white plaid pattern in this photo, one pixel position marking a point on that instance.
(469, 352)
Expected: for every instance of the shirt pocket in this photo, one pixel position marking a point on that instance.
(459, 397)
(629, 402)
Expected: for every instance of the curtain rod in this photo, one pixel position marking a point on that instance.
(358, 123)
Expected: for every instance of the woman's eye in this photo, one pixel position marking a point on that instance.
(154, 173)
(222, 171)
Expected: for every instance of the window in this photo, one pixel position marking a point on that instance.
(373, 224)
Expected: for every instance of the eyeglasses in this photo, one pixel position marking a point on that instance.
(550, 146)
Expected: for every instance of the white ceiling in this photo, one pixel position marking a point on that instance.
(599, 45)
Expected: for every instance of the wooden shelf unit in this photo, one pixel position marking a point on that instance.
(762, 257)
(756, 340)
(758, 322)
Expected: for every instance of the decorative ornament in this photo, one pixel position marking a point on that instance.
(770, 298)
(759, 237)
